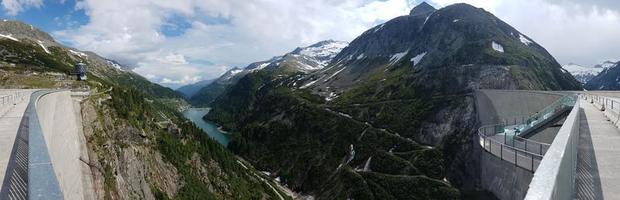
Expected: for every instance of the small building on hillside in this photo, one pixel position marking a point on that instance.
(80, 71)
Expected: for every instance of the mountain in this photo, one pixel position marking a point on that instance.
(584, 74)
(301, 60)
(394, 109)
(138, 145)
(608, 79)
(191, 89)
(31, 48)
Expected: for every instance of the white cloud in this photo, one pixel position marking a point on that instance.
(237, 32)
(223, 32)
(12, 7)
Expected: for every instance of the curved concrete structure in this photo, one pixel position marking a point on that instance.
(61, 125)
(41, 144)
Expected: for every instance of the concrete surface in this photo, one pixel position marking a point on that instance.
(598, 165)
(60, 123)
(10, 118)
(494, 106)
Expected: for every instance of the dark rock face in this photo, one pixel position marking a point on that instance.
(454, 36)
(422, 9)
(608, 79)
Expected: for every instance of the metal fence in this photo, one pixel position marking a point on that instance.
(10, 98)
(518, 152)
(503, 140)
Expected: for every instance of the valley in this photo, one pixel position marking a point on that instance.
(413, 106)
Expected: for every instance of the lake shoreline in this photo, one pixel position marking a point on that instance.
(212, 129)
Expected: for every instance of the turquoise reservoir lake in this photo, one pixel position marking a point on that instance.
(195, 115)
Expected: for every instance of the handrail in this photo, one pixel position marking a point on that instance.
(529, 160)
(555, 176)
(610, 107)
(532, 150)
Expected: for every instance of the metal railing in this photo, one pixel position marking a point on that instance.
(610, 105)
(505, 149)
(12, 98)
(503, 140)
(555, 176)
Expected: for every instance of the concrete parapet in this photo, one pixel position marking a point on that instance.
(60, 124)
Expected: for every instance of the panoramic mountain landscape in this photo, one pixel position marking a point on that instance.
(391, 110)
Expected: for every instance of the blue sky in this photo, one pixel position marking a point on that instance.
(184, 41)
(51, 16)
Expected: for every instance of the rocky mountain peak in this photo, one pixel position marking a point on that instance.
(422, 9)
(20, 30)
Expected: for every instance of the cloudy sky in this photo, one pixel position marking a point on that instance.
(183, 41)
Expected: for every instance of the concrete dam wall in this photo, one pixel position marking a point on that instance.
(60, 119)
(504, 179)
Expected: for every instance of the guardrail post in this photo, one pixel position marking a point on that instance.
(516, 157)
(484, 142)
(540, 149)
(532, 161)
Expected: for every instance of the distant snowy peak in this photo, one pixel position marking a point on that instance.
(323, 52)
(578, 69)
(584, 74)
(607, 64)
(231, 73)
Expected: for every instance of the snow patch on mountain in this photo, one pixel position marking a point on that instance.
(10, 37)
(115, 65)
(497, 47)
(361, 56)
(396, 57)
(323, 52)
(583, 74)
(261, 66)
(607, 64)
(417, 58)
(524, 40)
(43, 46)
(378, 28)
(77, 53)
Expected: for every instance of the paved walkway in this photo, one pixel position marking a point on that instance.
(10, 119)
(598, 165)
